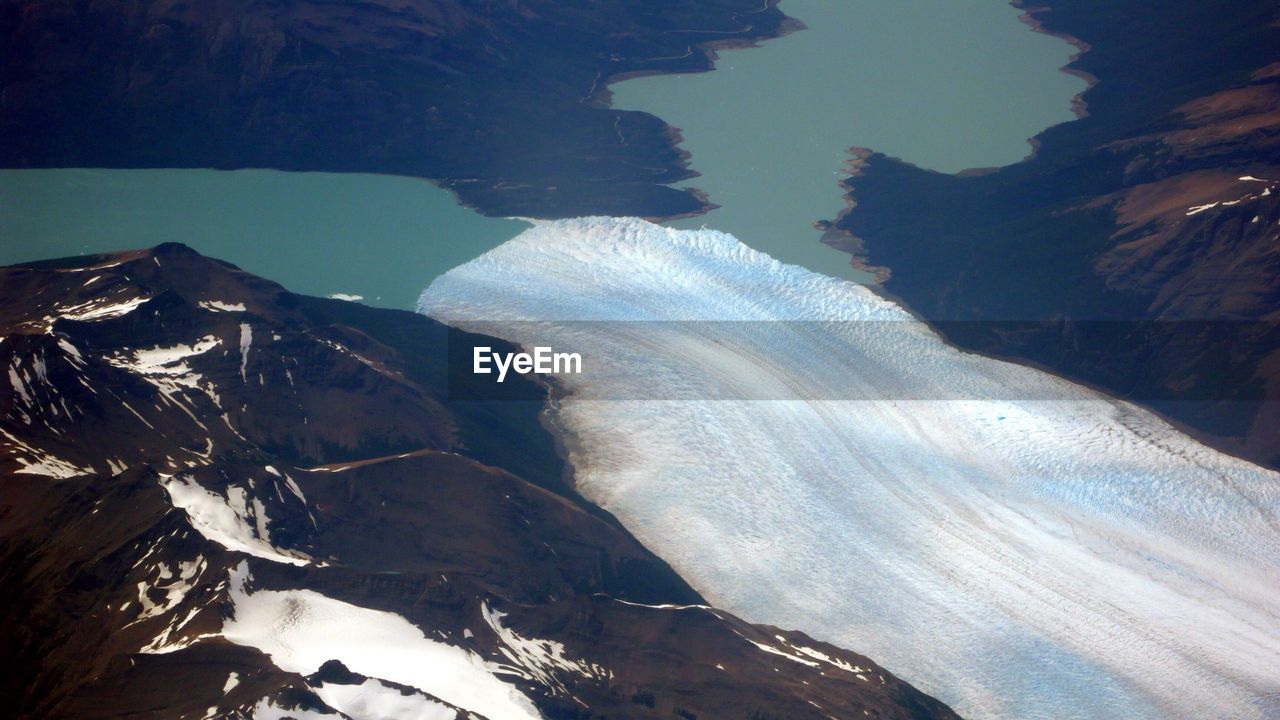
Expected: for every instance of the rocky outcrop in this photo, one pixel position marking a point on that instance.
(1138, 249)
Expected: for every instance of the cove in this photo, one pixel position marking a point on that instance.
(380, 237)
(946, 86)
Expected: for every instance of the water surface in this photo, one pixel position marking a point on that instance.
(380, 237)
(945, 85)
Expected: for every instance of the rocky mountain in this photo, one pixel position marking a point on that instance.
(1139, 248)
(498, 100)
(224, 500)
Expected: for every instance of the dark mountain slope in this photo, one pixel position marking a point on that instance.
(1138, 250)
(495, 100)
(224, 500)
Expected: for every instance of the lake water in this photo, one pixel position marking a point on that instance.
(377, 236)
(944, 85)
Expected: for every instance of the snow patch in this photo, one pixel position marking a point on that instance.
(49, 466)
(167, 369)
(174, 588)
(302, 629)
(246, 341)
(220, 306)
(100, 309)
(537, 659)
(38, 462)
(227, 520)
(372, 700)
(267, 709)
(72, 352)
(164, 360)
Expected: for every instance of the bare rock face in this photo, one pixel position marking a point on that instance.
(1138, 249)
(225, 500)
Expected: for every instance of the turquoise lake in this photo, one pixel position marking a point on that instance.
(947, 86)
(381, 237)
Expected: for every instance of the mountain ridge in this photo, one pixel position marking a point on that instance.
(194, 509)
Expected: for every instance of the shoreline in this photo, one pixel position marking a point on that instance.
(501, 169)
(1079, 105)
(710, 50)
(434, 182)
(601, 96)
(1242, 443)
(837, 237)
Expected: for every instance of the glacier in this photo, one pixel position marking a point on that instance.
(1044, 553)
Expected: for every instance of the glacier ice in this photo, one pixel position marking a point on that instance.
(1064, 555)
